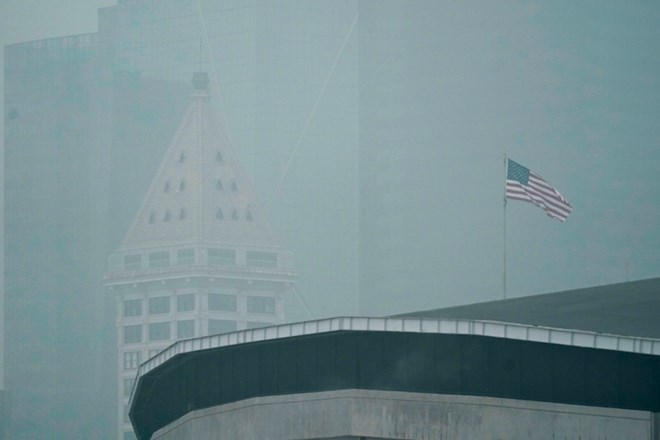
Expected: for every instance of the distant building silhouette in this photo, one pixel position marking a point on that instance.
(200, 257)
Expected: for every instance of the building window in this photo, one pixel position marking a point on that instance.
(158, 305)
(217, 326)
(132, 307)
(159, 259)
(128, 386)
(182, 214)
(132, 334)
(234, 187)
(132, 360)
(126, 418)
(185, 303)
(261, 259)
(167, 187)
(185, 256)
(185, 329)
(152, 217)
(132, 262)
(218, 185)
(221, 257)
(258, 324)
(260, 304)
(182, 157)
(159, 331)
(222, 302)
(182, 185)
(248, 216)
(166, 217)
(219, 215)
(234, 215)
(218, 157)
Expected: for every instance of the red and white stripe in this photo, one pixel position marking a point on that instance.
(540, 193)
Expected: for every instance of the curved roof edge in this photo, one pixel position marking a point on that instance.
(495, 329)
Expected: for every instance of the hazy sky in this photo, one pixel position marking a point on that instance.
(589, 79)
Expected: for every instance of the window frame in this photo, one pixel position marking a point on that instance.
(215, 304)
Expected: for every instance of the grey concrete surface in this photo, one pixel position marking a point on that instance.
(348, 414)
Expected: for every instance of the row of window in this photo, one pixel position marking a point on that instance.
(185, 329)
(186, 303)
(219, 186)
(219, 214)
(218, 157)
(214, 257)
(159, 331)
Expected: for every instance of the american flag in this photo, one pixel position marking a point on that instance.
(524, 184)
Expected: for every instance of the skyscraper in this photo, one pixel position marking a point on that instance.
(76, 148)
(55, 141)
(200, 257)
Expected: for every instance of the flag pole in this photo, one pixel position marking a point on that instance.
(504, 232)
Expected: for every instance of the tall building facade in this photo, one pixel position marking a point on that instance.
(71, 123)
(55, 146)
(200, 257)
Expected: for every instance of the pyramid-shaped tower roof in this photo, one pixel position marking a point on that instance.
(200, 193)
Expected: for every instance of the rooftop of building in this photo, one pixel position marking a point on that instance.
(629, 309)
(604, 330)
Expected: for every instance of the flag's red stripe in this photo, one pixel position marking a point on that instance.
(543, 186)
(533, 194)
(548, 205)
(551, 201)
(532, 190)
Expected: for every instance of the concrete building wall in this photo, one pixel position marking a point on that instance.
(348, 414)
